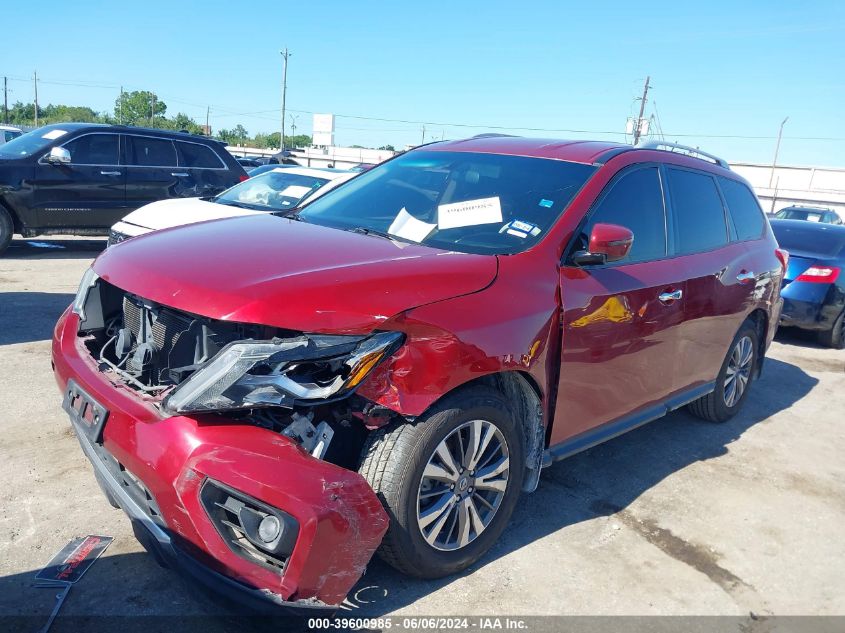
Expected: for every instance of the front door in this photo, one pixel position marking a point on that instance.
(90, 192)
(621, 321)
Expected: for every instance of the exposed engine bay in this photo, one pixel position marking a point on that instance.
(299, 385)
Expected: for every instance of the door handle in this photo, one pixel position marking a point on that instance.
(670, 297)
(179, 174)
(110, 173)
(745, 276)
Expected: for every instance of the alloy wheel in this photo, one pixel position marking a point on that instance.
(462, 485)
(738, 371)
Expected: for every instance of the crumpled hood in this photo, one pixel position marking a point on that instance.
(290, 274)
(165, 214)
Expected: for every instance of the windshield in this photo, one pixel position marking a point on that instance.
(462, 201)
(32, 142)
(800, 214)
(274, 190)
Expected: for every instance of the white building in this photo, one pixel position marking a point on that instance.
(785, 185)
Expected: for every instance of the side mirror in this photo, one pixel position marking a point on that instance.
(58, 156)
(608, 243)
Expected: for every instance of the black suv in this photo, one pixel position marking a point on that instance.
(80, 178)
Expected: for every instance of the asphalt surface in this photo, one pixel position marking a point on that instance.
(679, 517)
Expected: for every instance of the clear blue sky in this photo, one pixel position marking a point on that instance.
(718, 68)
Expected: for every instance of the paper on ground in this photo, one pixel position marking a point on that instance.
(469, 213)
(408, 227)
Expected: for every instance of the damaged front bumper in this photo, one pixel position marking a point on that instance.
(159, 469)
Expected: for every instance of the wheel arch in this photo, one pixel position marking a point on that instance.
(760, 319)
(17, 224)
(521, 390)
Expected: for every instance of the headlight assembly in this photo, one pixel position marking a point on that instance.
(254, 374)
(89, 280)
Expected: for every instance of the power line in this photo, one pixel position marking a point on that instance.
(227, 112)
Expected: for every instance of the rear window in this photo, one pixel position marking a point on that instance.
(699, 215)
(196, 155)
(819, 240)
(152, 152)
(744, 209)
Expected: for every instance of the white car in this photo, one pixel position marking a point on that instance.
(276, 190)
(8, 132)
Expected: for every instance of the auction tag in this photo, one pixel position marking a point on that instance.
(74, 559)
(469, 213)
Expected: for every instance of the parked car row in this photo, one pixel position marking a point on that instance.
(74, 178)
(272, 398)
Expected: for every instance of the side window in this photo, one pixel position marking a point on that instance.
(152, 152)
(635, 201)
(94, 149)
(698, 212)
(196, 155)
(744, 209)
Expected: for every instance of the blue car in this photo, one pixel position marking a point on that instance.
(814, 286)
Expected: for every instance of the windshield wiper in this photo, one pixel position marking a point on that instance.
(233, 203)
(363, 230)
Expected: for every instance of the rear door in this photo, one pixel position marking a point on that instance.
(621, 321)
(90, 192)
(202, 171)
(722, 270)
(153, 171)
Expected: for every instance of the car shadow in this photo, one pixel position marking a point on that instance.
(26, 317)
(49, 248)
(601, 481)
(797, 336)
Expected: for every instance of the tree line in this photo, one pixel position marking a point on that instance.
(143, 108)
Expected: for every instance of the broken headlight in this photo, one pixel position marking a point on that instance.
(253, 374)
(89, 280)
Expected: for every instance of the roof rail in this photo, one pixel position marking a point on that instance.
(494, 135)
(684, 149)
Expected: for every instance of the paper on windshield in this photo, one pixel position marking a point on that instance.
(295, 191)
(54, 134)
(408, 227)
(469, 213)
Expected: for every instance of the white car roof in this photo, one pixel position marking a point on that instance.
(10, 127)
(313, 172)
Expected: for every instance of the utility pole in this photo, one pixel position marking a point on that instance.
(120, 110)
(5, 99)
(422, 142)
(207, 116)
(152, 107)
(35, 81)
(639, 123)
(293, 119)
(777, 149)
(285, 55)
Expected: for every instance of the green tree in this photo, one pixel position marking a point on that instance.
(139, 107)
(387, 148)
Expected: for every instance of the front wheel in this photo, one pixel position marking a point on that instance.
(7, 229)
(449, 482)
(734, 379)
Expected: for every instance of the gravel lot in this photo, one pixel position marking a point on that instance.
(679, 517)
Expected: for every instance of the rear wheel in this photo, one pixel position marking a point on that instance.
(734, 379)
(835, 336)
(7, 229)
(449, 482)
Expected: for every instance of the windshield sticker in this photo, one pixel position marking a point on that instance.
(548, 204)
(469, 213)
(408, 227)
(54, 134)
(295, 191)
(521, 229)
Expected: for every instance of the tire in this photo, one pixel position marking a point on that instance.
(835, 336)
(722, 404)
(7, 229)
(395, 459)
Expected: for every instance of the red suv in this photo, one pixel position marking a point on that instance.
(273, 398)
